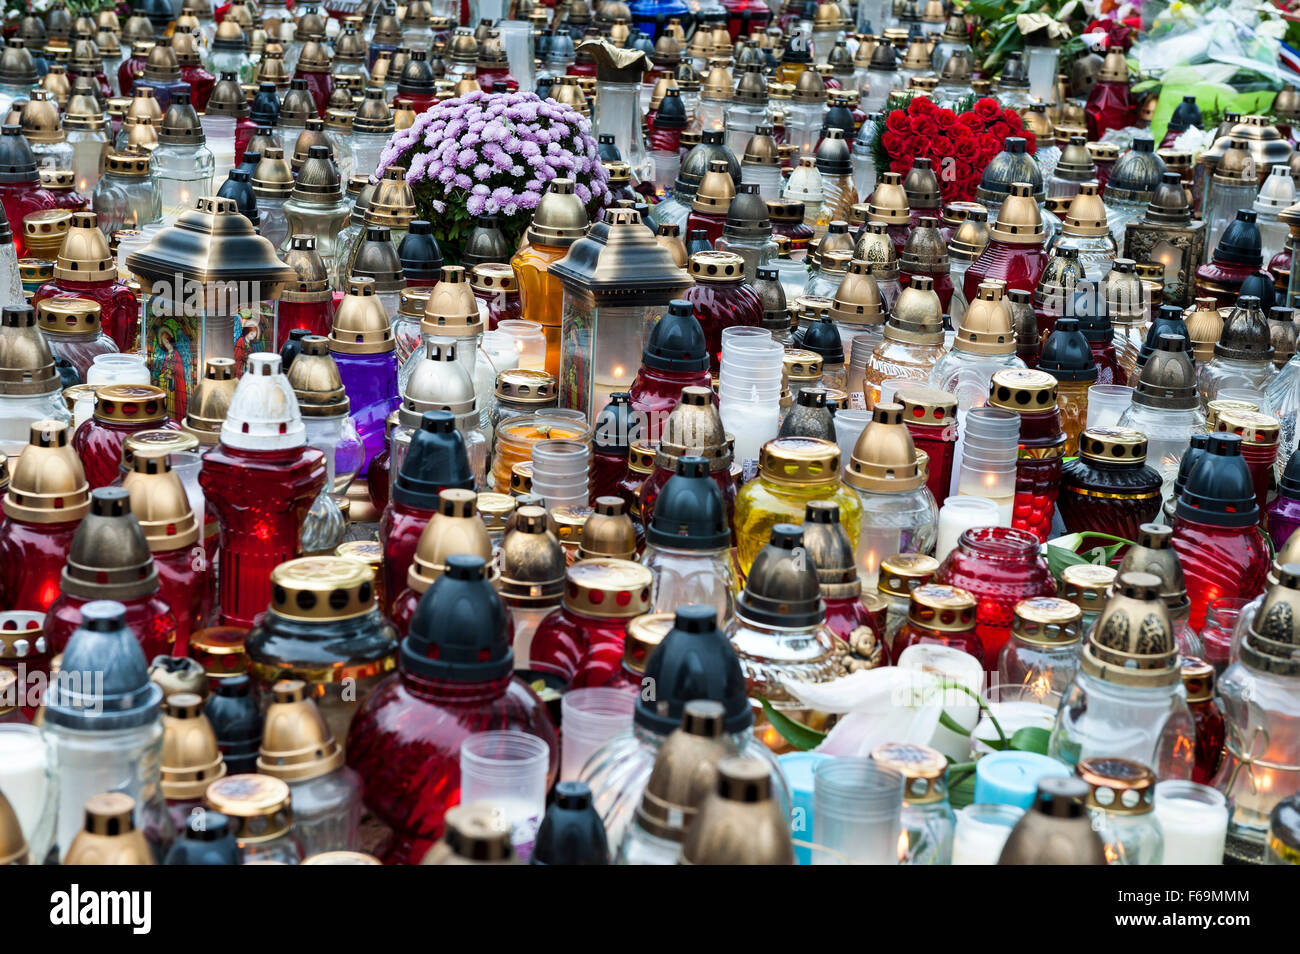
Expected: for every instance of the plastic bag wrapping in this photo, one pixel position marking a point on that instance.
(1216, 39)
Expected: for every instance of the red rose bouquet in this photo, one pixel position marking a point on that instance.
(959, 144)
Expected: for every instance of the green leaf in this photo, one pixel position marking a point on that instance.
(951, 724)
(1058, 558)
(802, 737)
(961, 787)
(1031, 739)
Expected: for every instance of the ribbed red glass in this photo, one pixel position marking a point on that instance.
(1260, 458)
(1000, 566)
(665, 140)
(721, 305)
(941, 444)
(1108, 497)
(1110, 106)
(576, 651)
(320, 85)
(119, 309)
(1221, 281)
(1108, 368)
(487, 76)
(845, 615)
(261, 498)
(31, 562)
(378, 479)
(798, 234)
(186, 589)
(1219, 561)
(149, 618)
(745, 17)
(608, 468)
(1020, 266)
(654, 484)
(710, 222)
(405, 742)
(1211, 734)
(399, 533)
(20, 200)
(1038, 472)
(99, 445)
(201, 83)
(655, 393)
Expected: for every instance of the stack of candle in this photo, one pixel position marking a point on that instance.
(560, 472)
(749, 388)
(986, 458)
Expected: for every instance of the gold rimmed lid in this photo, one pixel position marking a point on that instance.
(608, 588)
(884, 459)
(1132, 642)
(1023, 390)
(1198, 679)
(297, 744)
(1048, 621)
(451, 309)
(136, 404)
(454, 528)
(986, 325)
(158, 497)
(211, 400)
(1254, 428)
(1114, 445)
(69, 316)
(108, 835)
(799, 461)
(608, 532)
(901, 573)
(532, 561)
(889, 202)
(361, 324)
(927, 407)
(191, 759)
(1118, 786)
(1019, 221)
(921, 766)
(322, 588)
(1087, 585)
(937, 606)
(258, 806)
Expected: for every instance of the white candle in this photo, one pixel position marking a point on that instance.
(752, 424)
(959, 514)
(22, 774)
(982, 832)
(1194, 819)
(953, 665)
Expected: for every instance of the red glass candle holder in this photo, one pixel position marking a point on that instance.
(655, 393)
(1000, 566)
(721, 298)
(1020, 266)
(1221, 617)
(1109, 488)
(1219, 561)
(1211, 734)
(399, 532)
(119, 309)
(1110, 106)
(120, 411)
(1033, 395)
(320, 85)
(943, 615)
(931, 419)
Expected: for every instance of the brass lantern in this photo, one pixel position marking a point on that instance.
(212, 283)
(617, 282)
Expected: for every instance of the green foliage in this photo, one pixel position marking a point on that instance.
(802, 737)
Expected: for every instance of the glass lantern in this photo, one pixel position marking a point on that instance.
(617, 281)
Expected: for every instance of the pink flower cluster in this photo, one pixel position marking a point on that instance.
(502, 149)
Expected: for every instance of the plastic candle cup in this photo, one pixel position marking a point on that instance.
(23, 778)
(799, 769)
(1011, 778)
(507, 768)
(1194, 819)
(959, 514)
(981, 832)
(1106, 402)
(857, 805)
(589, 718)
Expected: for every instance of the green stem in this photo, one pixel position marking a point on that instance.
(984, 707)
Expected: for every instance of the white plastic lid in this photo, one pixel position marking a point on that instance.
(1277, 192)
(263, 413)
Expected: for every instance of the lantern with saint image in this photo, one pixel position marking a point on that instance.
(212, 283)
(617, 283)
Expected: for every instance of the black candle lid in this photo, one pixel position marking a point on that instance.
(1168, 321)
(690, 513)
(677, 341)
(437, 460)
(419, 253)
(459, 631)
(1240, 243)
(617, 425)
(1066, 355)
(694, 661)
(1219, 489)
(1289, 485)
(571, 833)
(823, 338)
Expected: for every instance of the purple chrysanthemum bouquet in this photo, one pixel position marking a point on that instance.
(494, 154)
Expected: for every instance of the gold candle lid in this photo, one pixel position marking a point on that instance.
(109, 835)
(454, 528)
(1023, 390)
(532, 561)
(1255, 429)
(986, 325)
(1198, 679)
(495, 510)
(795, 461)
(525, 386)
(708, 267)
(361, 324)
(258, 806)
(1086, 215)
(1118, 445)
(644, 633)
(297, 743)
(1087, 585)
(521, 478)
(211, 400)
(641, 457)
(48, 484)
(884, 459)
(926, 406)
(322, 588)
(901, 573)
(1048, 621)
(1132, 643)
(1118, 786)
(136, 404)
(801, 365)
(608, 588)
(1220, 405)
(451, 309)
(937, 606)
(1019, 221)
(475, 834)
(158, 499)
(889, 201)
(68, 316)
(608, 532)
(45, 230)
(922, 769)
(191, 759)
(84, 255)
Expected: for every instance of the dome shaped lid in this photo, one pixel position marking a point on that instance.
(617, 425)
(373, 115)
(377, 260)
(315, 380)
(1168, 380)
(211, 400)
(676, 341)
(103, 682)
(857, 299)
(695, 660)
(349, 46)
(47, 483)
(1087, 214)
(1063, 282)
(608, 532)
(694, 429)
(160, 66)
(26, 363)
(828, 545)
(921, 185)
(1019, 220)
(17, 66)
(1219, 490)
(1272, 640)
(1022, 390)
(1075, 164)
(889, 202)
(560, 219)
(227, 97)
(1132, 643)
(297, 744)
(571, 832)
(451, 310)
(832, 157)
(917, 315)
(1168, 205)
(1066, 353)
(39, 118)
(1239, 244)
(1278, 191)
(821, 336)
(884, 459)
(361, 324)
(313, 280)
(621, 258)
(1245, 335)
(459, 632)
(1236, 167)
(158, 498)
(317, 181)
(180, 124)
(1155, 554)
(1013, 164)
(781, 588)
(272, 177)
(439, 382)
(297, 106)
(532, 561)
(190, 758)
(690, 513)
(436, 460)
(924, 251)
(747, 216)
(986, 325)
(263, 413)
(17, 161)
(1136, 174)
(109, 557)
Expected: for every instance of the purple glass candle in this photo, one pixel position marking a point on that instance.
(1284, 511)
(370, 381)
